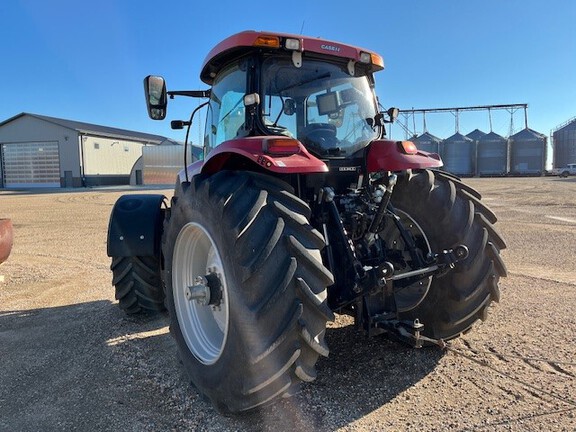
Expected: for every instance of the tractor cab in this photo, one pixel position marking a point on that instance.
(316, 92)
(319, 103)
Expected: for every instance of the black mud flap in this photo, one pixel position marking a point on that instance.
(135, 227)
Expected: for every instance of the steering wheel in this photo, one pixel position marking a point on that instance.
(320, 136)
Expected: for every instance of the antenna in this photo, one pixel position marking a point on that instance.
(302, 28)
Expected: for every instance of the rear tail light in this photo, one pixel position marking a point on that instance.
(281, 146)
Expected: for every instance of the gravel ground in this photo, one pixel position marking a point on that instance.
(71, 360)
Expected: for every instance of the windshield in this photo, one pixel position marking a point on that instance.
(320, 104)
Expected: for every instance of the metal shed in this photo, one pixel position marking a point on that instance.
(42, 151)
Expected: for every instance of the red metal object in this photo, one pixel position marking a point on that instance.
(385, 155)
(253, 149)
(6, 239)
(247, 39)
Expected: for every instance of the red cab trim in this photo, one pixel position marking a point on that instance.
(248, 39)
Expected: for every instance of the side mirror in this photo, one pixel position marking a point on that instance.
(393, 114)
(289, 107)
(156, 97)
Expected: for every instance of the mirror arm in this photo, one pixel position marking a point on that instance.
(179, 124)
(189, 93)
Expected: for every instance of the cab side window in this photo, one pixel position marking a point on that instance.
(226, 114)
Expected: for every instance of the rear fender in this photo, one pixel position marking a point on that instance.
(385, 155)
(135, 227)
(234, 154)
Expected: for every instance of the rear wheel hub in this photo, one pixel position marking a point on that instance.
(201, 302)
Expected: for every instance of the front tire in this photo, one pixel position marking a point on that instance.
(138, 284)
(450, 213)
(263, 336)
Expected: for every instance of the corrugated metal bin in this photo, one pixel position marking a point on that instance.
(564, 139)
(459, 155)
(492, 155)
(527, 152)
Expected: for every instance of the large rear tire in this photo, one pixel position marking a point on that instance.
(450, 213)
(265, 333)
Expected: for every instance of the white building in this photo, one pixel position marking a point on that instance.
(41, 151)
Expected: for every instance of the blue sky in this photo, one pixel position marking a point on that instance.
(85, 61)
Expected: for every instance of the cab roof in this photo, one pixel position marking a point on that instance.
(249, 40)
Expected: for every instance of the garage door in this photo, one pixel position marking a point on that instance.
(31, 164)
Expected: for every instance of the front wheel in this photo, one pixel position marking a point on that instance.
(138, 284)
(245, 288)
(449, 213)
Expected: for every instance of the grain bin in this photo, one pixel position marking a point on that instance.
(527, 152)
(427, 142)
(475, 135)
(564, 139)
(459, 155)
(492, 155)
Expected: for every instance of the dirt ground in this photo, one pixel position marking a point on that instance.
(71, 360)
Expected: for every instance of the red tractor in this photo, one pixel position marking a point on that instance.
(299, 209)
